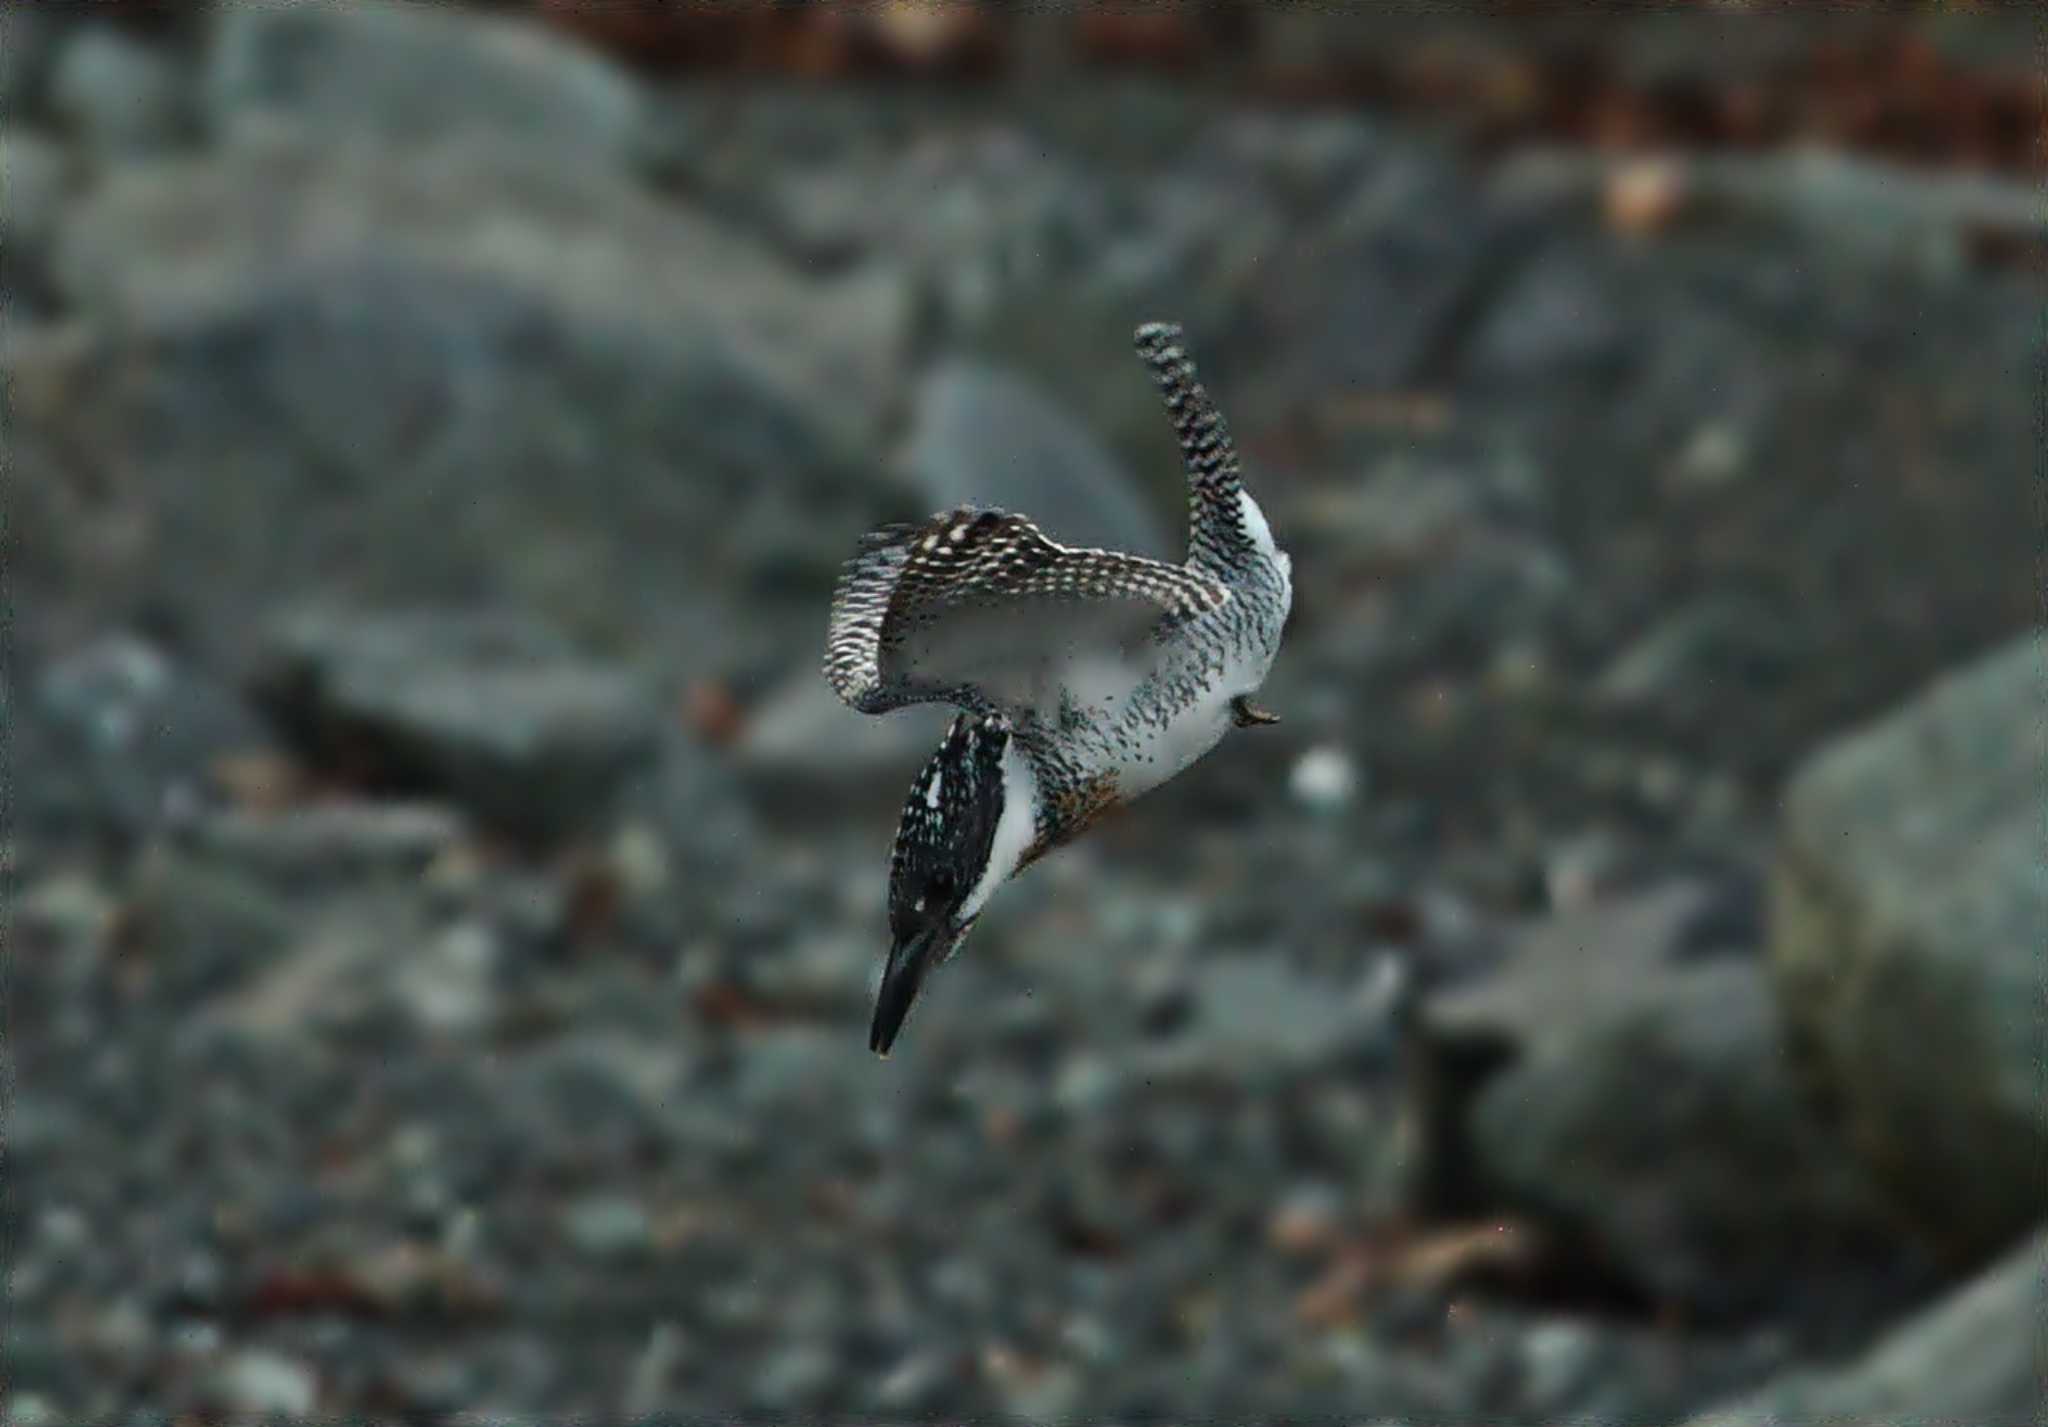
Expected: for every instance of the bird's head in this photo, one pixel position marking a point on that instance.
(965, 826)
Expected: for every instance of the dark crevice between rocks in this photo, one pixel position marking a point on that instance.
(1448, 1080)
(1569, 1272)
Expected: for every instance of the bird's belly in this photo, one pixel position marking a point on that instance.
(1161, 742)
(1186, 737)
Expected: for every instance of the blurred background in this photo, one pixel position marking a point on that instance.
(444, 898)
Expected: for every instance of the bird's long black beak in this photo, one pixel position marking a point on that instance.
(909, 960)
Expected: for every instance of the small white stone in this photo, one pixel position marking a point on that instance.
(28, 1409)
(260, 1383)
(640, 859)
(1324, 777)
(1084, 1083)
(449, 988)
(911, 1379)
(1715, 455)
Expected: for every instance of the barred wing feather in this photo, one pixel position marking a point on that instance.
(979, 608)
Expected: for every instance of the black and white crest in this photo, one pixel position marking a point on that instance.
(981, 609)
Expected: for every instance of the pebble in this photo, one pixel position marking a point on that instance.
(1308, 1218)
(911, 1382)
(649, 1383)
(795, 1375)
(1557, 1357)
(1519, 668)
(261, 1382)
(1324, 778)
(125, 1332)
(1583, 870)
(1032, 1390)
(640, 859)
(195, 1337)
(449, 985)
(608, 1226)
(333, 839)
(32, 1409)
(64, 1229)
(1716, 455)
(1646, 196)
(120, 92)
(1085, 1084)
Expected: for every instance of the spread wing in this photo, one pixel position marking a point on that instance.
(978, 608)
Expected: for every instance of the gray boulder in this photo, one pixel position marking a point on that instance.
(1622, 1081)
(1910, 910)
(34, 175)
(350, 374)
(1727, 639)
(27, 37)
(973, 214)
(1974, 1357)
(1253, 1018)
(411, 72)
(497, 713)
(1377, 295)
(331, 840)
(1561, 317)
(283, 199)
(801, 741)
(120, 93)
(982, 436)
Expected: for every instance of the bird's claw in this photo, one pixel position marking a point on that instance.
(1246, 714)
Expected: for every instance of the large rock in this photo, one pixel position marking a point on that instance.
(1561, 317)
(973, 214)
(1377, 296)
(278, 202)
(497, 713)
(985, 437)
(34, 177)
(27, 37)
(1910, 915)
(412, 72)
(120, 93)
(343, 372)
(802, 741)
(1974, 1357)
(1622, 1079)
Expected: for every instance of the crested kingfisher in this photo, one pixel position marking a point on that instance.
(1084, 677)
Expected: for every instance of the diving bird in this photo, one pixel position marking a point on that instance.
(1084, 677)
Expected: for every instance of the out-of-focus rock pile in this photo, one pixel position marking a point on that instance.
(444, 900)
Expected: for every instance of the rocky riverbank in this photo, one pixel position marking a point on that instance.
(444, 899)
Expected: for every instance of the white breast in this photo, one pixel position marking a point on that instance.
(1016, 826)
(1190, 735)
(1105, 688)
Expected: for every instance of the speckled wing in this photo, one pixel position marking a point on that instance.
(979, 608)
(1222, 537)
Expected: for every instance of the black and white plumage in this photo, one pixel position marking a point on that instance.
(1088, 677)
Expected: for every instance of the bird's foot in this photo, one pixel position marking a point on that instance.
(1246, 714)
